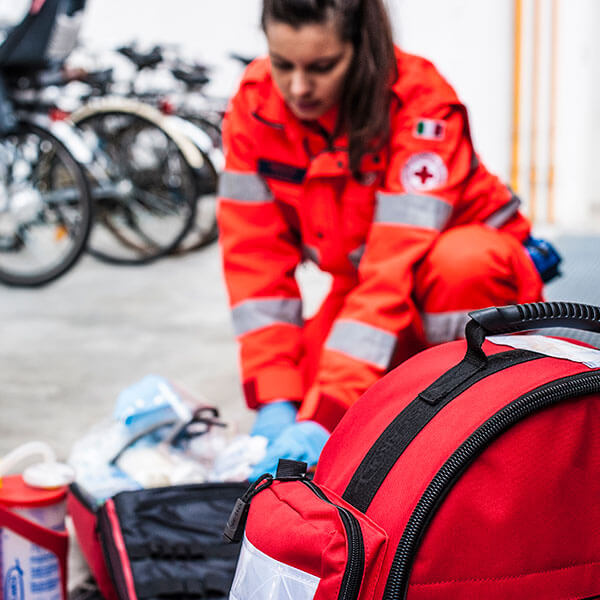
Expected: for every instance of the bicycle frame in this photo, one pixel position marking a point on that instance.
(192, 141)
(66, 132)
(72, 138)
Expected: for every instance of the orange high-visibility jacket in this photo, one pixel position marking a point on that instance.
(287, 195)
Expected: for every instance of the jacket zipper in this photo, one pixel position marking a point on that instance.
(356, 549)
(524, 406)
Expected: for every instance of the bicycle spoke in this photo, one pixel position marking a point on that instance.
(46, 215)
(155, 189)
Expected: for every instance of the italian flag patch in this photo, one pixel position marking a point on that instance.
(430, 129)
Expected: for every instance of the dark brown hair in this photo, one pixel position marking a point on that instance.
(364, 108)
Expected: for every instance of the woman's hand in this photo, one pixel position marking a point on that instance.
(301, 441)
(273, 418)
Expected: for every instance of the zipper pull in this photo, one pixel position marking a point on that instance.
(290, 469)
(234, 530)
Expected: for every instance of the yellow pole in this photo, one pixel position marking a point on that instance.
(514, 167)
(552, 111)
(534, 112)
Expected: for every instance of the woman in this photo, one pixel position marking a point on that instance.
(343, 150)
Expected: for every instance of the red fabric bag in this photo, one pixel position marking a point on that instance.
(472, 471)
(85, 523)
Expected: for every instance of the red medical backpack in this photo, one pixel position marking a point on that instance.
(471, 471)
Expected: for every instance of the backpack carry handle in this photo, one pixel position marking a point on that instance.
(537, 315)
(522, 317)
(508, 319)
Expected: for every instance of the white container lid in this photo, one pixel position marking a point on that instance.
(49, 475)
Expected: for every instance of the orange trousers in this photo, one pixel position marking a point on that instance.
(468, 267)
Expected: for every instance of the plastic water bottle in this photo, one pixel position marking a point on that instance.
(33, 540)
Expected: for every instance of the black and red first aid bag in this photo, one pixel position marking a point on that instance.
(471, 471)
(158, 543)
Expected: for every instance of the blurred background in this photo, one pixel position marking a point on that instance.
(528, 70)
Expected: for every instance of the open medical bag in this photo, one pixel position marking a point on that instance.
(151, 537)
(159, 542)
(470, 471)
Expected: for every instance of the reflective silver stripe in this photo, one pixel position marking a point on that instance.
(504, 213)
(356, 255)
(256, 314)
(589, 337)
(412, 209)
(362, 342)
(311, 253)
(446, 326)
(245, 187)
(257, 575)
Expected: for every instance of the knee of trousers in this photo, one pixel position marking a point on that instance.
(470, 267)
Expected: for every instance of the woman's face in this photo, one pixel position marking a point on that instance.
(309, 65)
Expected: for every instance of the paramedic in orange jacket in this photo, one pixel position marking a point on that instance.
(345, 151)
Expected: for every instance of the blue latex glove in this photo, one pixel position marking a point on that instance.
(300, 441)
(273, 418)
(545, 257)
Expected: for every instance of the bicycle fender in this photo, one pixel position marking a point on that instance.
(201, 139)
(66, 133)
(192, 154)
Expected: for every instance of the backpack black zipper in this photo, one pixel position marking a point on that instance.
(356, 548)
(355, 566)
(399, 434)
(524, 406)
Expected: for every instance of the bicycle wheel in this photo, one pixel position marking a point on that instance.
(148, 205)
(204, 230)
(45, 207)
(210, 123)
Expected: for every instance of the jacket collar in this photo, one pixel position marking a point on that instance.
(271, 108)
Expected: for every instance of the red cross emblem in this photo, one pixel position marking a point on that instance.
(423, 174)
(423, 171)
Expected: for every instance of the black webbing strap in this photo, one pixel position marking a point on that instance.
(390, 445)
(474, 361)
(183, 550)
(212, 585)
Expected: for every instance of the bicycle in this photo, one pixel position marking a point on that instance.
(196, 114)
(115, 119)
(45, 201)
(150, 205)
(143, 171)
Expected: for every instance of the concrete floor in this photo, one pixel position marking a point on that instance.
(66, 350)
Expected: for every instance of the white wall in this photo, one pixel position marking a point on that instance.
(207, 29)
(445, 33)
(471, 42)
(578, 115)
